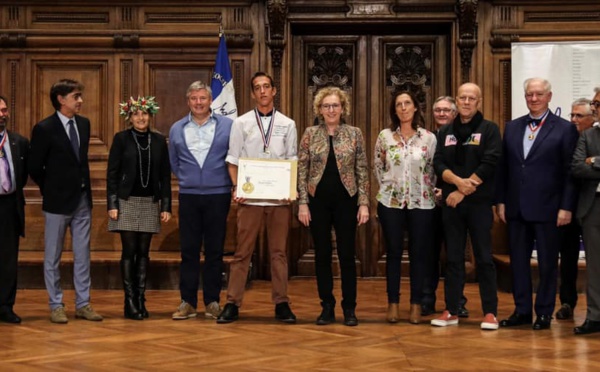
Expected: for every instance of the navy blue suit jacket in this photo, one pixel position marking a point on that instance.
(53, 164)
(538, 186)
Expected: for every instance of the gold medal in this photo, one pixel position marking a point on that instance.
(1, 154)
(531, 137)
(248, 188)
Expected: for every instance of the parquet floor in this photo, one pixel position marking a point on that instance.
(257, 343)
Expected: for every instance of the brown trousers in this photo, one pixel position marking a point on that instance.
(249, 222)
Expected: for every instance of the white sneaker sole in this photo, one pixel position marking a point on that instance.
(443, 323)
(185, 317)
(489, 326)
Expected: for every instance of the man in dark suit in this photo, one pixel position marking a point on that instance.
(582, 118)
(536, 195)
(58, 163)
(586, 167)
(13, 176)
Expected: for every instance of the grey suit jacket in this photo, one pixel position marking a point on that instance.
(589, 175)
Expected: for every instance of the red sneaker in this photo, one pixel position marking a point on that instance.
(445, 320)
(489, 322)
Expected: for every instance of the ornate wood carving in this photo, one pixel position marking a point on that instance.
(369, 8)
(330, 65)
(467, 24)
(408, 67)
(504, 18)
(277, 14)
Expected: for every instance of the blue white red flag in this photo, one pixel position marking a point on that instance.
(221, 84)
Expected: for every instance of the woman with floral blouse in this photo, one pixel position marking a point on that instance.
(404, 169)
(333, 186)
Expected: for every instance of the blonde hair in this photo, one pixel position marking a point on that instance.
(329, 91)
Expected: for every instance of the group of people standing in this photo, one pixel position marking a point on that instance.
(451, 178)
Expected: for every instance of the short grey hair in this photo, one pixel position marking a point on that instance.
(198, 85)
(547, 85)
(583, 102)
(447, 99)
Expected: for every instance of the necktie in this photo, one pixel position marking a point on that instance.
(73, 138)
(6, 182)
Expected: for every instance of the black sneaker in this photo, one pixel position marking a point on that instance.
(462, 312)
(350, 318)
(284, 314)
(327, 314)
(229, 314)
(427, 310)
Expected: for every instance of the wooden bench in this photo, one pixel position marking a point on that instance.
(163, 272)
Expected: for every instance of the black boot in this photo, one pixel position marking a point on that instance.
(131, 310)
(327, 314)
(142, 268)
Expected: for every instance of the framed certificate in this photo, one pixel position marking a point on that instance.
(273, 179)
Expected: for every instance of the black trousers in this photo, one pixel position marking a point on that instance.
(339, 213)
(569, 258)
(432, 277)
(9, 250)
(202, 221)
(477, 219)
(418, 223)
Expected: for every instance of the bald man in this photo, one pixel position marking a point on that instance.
(465, 159)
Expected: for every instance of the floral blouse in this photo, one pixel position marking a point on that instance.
(404, 170)
(351, 159)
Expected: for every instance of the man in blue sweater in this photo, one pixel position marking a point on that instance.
(198, 145)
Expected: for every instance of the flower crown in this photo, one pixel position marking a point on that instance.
(131, 106)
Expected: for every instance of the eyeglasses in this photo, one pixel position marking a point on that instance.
(580, 116)
(595, 104)
(442, 110)
(333, 106)
(467, 98)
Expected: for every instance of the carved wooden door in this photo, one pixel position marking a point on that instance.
(369, 68)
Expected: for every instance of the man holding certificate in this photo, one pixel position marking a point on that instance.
(263, 133)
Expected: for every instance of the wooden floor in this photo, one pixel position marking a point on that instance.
(257, 343)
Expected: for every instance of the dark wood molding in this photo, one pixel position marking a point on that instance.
(467, 25)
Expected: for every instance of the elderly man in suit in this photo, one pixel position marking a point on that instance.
(586, 168)
(58, 163)
(13, 176)
(536, 195)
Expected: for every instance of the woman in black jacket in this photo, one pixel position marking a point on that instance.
(138, 190)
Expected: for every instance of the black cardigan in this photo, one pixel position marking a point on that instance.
(122, 170)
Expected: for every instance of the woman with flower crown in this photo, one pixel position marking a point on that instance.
(138, 190)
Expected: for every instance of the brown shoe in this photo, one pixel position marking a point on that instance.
(393, 313)
(59, 315)
(415, 314)
(87, 312)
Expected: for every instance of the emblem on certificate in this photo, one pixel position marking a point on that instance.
(248, 187)
(268, 179)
